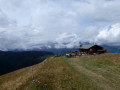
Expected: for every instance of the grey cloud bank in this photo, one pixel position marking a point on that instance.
(28, 24)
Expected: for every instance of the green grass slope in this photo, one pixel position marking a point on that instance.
(100, 72)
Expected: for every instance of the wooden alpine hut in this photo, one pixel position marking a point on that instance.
(91, 49)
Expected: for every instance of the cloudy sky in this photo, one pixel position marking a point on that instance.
(29, 24)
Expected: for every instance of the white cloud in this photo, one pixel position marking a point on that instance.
(67, 40)
(89, 34)
(109, 35)
(100, 11)
(31, 24)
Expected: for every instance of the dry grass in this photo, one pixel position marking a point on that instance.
(13, 80)
(100, 72)
(103, 70)
(56, 74)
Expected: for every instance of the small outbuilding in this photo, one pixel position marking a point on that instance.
(72, 53)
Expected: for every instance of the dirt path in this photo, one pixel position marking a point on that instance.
(94, 77)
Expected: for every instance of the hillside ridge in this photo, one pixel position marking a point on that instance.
(102, 71)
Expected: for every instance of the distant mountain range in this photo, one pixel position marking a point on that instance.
(110, 49)
(61, 48)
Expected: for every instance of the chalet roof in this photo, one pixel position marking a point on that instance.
(86, 46)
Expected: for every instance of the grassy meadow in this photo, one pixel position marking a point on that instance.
(100, 72)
